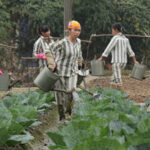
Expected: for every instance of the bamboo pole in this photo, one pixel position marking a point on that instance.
(59, 38)
(128, 35)
(7, 46)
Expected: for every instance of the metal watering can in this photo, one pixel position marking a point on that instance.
(4, 82)
(97, 68)
(138, 71)
(46, 79)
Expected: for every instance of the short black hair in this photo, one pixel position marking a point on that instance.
(43, 28)
(117, 26)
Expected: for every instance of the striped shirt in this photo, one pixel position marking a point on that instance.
(67, 56)
(119, 47)
(41, 45)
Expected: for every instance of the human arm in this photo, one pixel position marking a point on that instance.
(80, 58)
(51, 54)
(37, 48)
(131, 53)
(50, 61)
(101, 58)
(134, 60)
(108, 49)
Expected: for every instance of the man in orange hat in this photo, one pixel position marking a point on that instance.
(69, 57)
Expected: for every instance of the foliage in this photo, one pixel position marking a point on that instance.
(27, 15)
(19, 112)
(134, 16)
(111, 123)
(98, 16)
(4, 21)
(95, 16)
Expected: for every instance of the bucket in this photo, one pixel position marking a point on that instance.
(81, 74)
(46, 79)
(97, 68)
(138, 71)
(4, 82)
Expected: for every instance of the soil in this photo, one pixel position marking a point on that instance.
(138, 90)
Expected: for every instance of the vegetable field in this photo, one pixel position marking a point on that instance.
(111, 123)
(29, 120)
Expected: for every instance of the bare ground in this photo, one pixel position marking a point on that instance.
(138, 90)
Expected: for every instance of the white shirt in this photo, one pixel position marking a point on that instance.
(119, 47)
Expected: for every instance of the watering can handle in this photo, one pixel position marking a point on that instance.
(60, 90)
(90, 92)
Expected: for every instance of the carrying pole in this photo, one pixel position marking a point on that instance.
(128, 35)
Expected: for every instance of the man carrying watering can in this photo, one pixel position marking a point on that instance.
(69, 57)
(119, 46)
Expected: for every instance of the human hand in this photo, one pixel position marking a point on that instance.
(44, 57)
(80, 63)
(51, 67)
(1, 72)
(136, 62)
(101, 58)
(41, 56)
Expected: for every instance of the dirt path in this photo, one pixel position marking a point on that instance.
(49, 122)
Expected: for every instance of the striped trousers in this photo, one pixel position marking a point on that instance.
(65, 83)
(117, 68)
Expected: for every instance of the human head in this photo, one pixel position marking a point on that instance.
(74, 28)
(44, 31)
(116, 28)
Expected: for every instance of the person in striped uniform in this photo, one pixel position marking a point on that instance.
(42, 44)
(119, 47)
(68, 58)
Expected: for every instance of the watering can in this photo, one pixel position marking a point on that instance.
(46, 79)
(4, 82)
(97, 68)
(138, 71)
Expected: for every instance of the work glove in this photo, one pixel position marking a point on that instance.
(41, 55)
(50, 61)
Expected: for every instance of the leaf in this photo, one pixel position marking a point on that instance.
(147, 102)
(58, 147)
(57, 138)
(35, 124)
(103, 144)
(23, 139)
(118, 126)
(4, 135)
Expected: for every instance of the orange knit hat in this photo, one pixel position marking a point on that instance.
(74, 25)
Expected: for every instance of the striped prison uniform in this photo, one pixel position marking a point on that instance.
(67, 57)
(119, 47)
(40, 46)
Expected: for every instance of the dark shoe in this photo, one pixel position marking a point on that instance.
(61, 112)
(69, 107)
